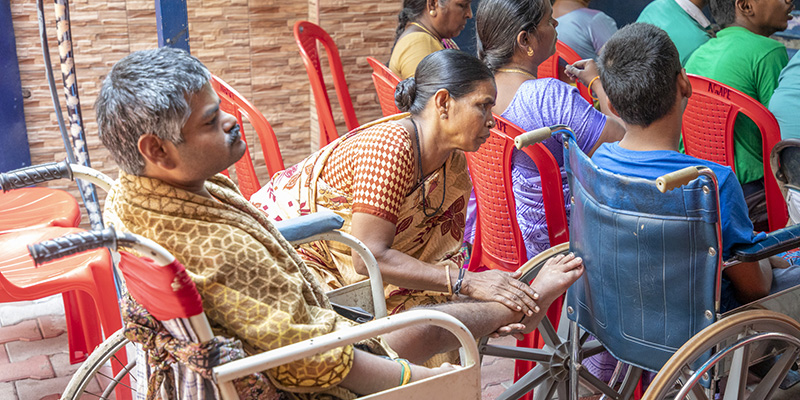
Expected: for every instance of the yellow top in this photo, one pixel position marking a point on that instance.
(410, 50)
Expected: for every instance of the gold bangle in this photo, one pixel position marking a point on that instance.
(589, 87)
(449, 282)
(405, 372)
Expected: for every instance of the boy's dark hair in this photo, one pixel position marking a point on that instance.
(638, 67)
(723, 11)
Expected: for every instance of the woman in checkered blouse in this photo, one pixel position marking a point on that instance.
(401, 184)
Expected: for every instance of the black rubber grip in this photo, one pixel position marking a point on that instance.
(20, 178)
(71, 244)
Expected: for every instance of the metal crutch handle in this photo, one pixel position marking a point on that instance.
(71, 244)
(23, 177)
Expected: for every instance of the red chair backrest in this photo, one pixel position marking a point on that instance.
(498, 240)
(708, 133)
(307, 35)
(235, 104)
(550, 68)
(385, 84)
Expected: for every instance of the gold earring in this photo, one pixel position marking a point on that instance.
(530, 52)
(432, 13)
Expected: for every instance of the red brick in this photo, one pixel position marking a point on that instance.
(25, 331)
(3, 355)
(52, 325)
(37, 367)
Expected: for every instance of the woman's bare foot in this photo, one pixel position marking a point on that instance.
(555, 277)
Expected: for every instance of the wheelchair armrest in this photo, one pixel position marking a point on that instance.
(775, 242)
(301, 227)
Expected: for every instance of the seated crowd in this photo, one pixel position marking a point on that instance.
(402, 186)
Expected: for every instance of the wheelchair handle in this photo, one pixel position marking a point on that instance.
(676, 179)
(32, 175)
(71, 244)
(532, 137)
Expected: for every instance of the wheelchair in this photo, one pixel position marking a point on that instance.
(650, 294)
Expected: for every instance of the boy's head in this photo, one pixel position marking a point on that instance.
(159, 116)
(640, 70)
(763, 17)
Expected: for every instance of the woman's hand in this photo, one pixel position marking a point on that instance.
(583, 71)
(503, 287)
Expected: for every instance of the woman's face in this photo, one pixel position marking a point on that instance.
(545, 36)
(451, 18)
(471, 116)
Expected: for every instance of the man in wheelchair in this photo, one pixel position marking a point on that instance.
(160, 119)
(647, 87)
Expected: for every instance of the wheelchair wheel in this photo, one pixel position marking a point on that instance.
(106, 373)
(733, 344)
(551, 375)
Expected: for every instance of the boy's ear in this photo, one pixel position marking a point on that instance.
(155, 151)
(684, 85)
(613, 109)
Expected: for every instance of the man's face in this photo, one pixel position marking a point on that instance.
(212, 141)
(772, 15)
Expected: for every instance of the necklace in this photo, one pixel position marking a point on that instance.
(425, 205)
(418, 25)
(517, 70)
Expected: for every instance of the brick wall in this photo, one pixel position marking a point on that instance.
(248, 43)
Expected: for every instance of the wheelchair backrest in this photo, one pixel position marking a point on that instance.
(651, 276)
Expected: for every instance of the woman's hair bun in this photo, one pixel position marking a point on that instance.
(405, 94)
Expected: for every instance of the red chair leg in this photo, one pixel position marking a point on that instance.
(79, 338)
(107, 306)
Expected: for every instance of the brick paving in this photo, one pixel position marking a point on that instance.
(34, 359)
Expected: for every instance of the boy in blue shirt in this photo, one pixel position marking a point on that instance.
(647, 88)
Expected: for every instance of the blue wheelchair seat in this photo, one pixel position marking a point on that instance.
(652, 260)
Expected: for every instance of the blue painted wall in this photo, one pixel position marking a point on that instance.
(14, 148)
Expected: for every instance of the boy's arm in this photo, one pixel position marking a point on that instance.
(751, 281)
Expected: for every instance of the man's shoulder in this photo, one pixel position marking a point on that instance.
(655, 10)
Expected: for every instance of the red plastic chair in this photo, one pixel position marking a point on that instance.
(235, 104)
(87, 274)
(37, 208)
(498, 239)
(307, 35)
(385, 84)
(550, 68)
(708, 134)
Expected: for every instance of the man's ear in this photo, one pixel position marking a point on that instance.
(744, 7)
(441, 100)
(155, 151)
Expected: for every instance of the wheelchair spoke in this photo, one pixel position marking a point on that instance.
(525, 384)
(630, 381)
(737, 378)
(549, 334)
(545, 392)
(594, 382)
(591, 348)
(775, 375)
(518, 353)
